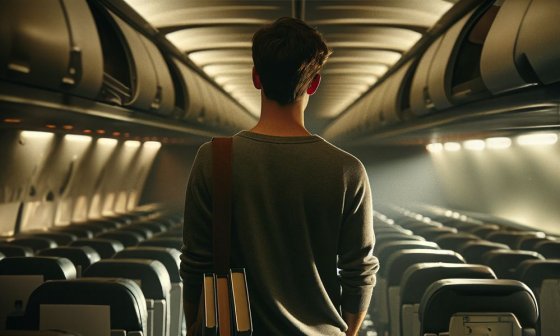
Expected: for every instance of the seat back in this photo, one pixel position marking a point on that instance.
(504, 262)
(81, 256)
(453, 240)
(473, 251)
(176, 243)
(12, 250)
(549, 249)
(127, 238)
(126, 303)
(106, 248)
(478, 301)
(34, 243)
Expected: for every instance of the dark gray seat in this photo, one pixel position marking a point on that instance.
(473, 250)
(446, 298)
(81, 256)
(504, 262)
(433, 232)
(106, 248)
(12, 250)
(60, 238)
(549, 249)
(34, 243)
(127, 238)
(176, 243)
(512, 238)
(452, 240)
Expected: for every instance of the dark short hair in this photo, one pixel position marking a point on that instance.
(287, 55)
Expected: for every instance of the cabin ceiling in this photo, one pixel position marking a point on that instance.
(368, 38)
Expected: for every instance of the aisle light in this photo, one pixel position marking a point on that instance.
(77, 138)
(474, 145)
(37, 134)
(498, 143)
(434, 147)
(452, 146)
(537, 139)
(152, 144)
(132, 143)
(107, 141)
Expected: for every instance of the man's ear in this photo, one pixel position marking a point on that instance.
(314, 84)
(256, 79)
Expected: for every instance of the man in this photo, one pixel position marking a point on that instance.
(302, 221)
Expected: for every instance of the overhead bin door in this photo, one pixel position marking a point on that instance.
(391, 107)
(377, 118)
(144, 78)
(419, 99)
(51, 44)
(497, 63)
(164, 100)
(539, 40)
(193, 99)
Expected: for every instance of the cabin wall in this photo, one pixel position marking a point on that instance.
(519, 183)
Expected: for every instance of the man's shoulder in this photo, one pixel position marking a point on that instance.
(347, 159)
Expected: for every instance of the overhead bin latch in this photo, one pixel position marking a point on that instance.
(156, 102)
(74, 73)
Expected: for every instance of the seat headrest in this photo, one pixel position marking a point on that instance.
(155, 227)
(473, 250)
(75, 230)
(451, 240)
(60, 238)
(176, 243)
(447, 297)
(94, 228)
(418, 277)
(35, 243)
(12, 250)
(127, 238)
(106, 223)
(153, 276)
(128, 305)
(549, 249)
(51, 268)
(389, 248)
(169, 257)
(105, 247)
(83, 256)
(534, 272)
(399, 261)
(144, 232)
(504, 262)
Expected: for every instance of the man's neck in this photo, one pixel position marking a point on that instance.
(281, 120)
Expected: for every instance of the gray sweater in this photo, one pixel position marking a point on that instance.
(302, 227)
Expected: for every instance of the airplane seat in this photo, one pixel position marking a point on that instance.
(504, 262)
(127, 238)
(94, 228)
(109, 224)
(176, 243)
(1, 256)
(60, 238)
(512, 238)
(106, 248)
(534, 272)
(416, 225)
(387, 230)
(155, 227)
(35, 243)
(434, 232)
(12, 250)
(37, 333)
(91, 302)
(454, 307)
(144, 232)
(549, 249)
(389, 237)
(19, 276)
(473, 250)
(452, 240)
(154, 280)
(392, 273)
(81, 256)
(550, 307)
(531, 242)
(416, 280)
(72, 62)
(73, 229)
(485, 229)
(169, 234)
(170, 258)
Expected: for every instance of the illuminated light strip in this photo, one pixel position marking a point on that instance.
(12, 121)
(498, 143)
(538, 139)
(36, 134)
(474, 145)
(78, 138)
(152, 144)
(107, 141)
(452, 146)
(434, 147)
(132, 143)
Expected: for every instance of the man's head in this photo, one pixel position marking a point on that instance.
(288, 55)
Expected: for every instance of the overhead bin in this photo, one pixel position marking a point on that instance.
(51, 44)
(419, 99)
(499, 66)
(151, 85)
(206, 105)
(539, 41)
(391, 108)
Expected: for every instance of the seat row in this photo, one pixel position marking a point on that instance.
(413, 269)
(139, 286)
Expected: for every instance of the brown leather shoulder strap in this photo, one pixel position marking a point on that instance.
(222, 188)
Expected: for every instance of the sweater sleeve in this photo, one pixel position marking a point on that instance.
(196, 256)
(356, 263)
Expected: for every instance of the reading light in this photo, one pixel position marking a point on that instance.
(116, 134)
(448, 213)
(78, 138)
(152, 144)
(456, 215)
(452, 146)
(418, 217)
(107, 141)
(498, 143)
(12, 121)
(87, 131)
(537, 139)
(132, 143)
(37, 135)
(51, 126)
(68, 127)
(474, 145)
(434, 147)
(100, 131)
